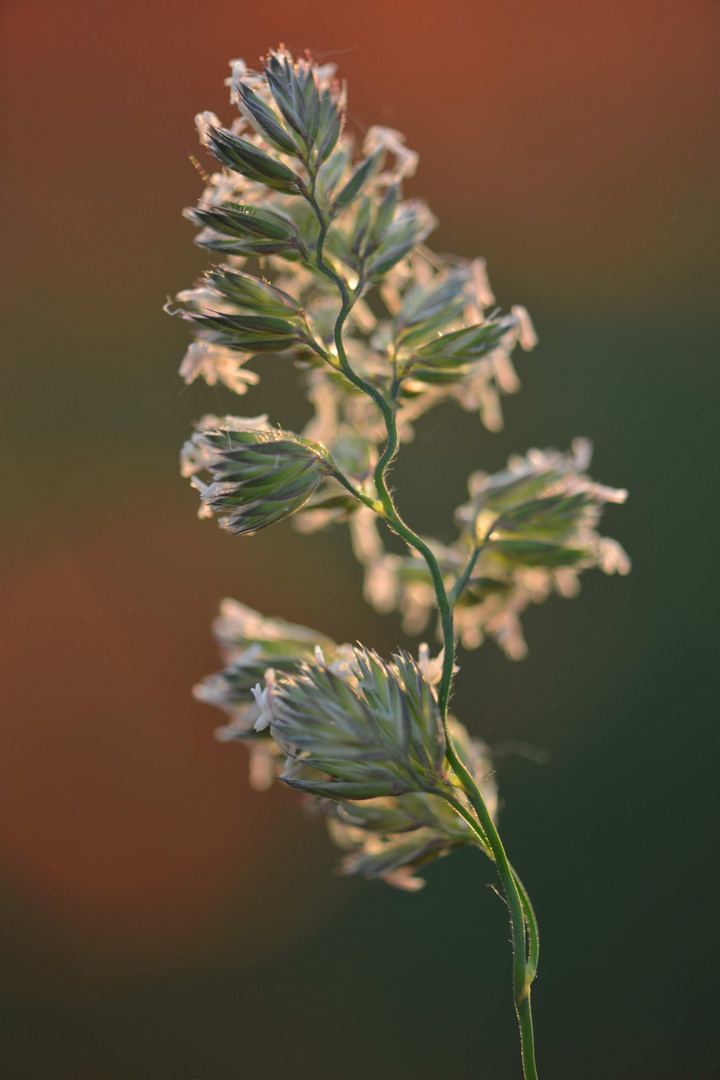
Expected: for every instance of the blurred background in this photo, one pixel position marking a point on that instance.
(160, 919)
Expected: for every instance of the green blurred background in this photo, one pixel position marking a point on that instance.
(159, 919)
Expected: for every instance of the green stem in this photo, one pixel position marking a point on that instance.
(467, 817)
(459, 586)
(532, 929)
(356, 491)
(521, 915)
(457, 589)
(528, 910)
(347, 302)
(522, 974)
(523, 971)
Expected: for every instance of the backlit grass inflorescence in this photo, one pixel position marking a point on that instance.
(324, 261)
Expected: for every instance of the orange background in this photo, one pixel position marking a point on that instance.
(160, 919)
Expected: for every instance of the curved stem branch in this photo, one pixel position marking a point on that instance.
(361, 496)
(479, 545)
(388, 410)
(467, 817)
(347, 303)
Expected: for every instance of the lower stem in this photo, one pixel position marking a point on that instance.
(521, 914)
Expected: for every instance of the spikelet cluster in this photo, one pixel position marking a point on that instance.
(361, 738)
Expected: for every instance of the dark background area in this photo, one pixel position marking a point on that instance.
(157, 917)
